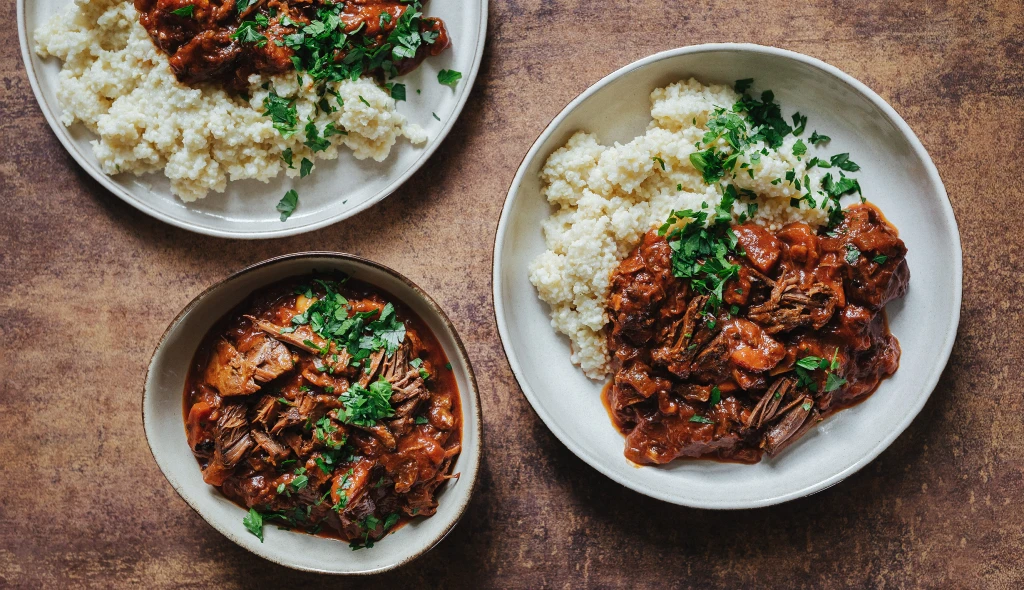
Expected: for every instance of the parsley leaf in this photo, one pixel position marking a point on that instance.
(287, 204)
(254, 523)
(880, 259)
(800, 122)
(185, 11)
(247, 33)
(449, 77)
(743, 85)
(286, 155)
(833, 382)
(313, 139)
(852, 254)
(701, 419)
(799, 148)
(305, 167)
(818, 139)
(843, 162)
(397, 91)
(715, 397)
(658, 160)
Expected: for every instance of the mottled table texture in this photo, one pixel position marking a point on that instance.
(87, 285)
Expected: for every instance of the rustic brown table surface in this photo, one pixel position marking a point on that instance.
(87, 285)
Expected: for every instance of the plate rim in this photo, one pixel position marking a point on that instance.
(949, 219)
(71, 148)
(476, 434)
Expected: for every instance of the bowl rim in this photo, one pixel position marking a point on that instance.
(476, 433)
(948, 217)
(105, 181)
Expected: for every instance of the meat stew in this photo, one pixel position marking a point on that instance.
(323, 405)
(226, 41)
(798, 332)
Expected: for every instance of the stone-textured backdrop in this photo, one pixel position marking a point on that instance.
(87, 285)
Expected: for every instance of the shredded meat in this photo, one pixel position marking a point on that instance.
(201, 46)
(266, 420)
(725, 384)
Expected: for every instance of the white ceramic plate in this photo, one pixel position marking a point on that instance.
(897, 175)
(339, 188)
(165, 428)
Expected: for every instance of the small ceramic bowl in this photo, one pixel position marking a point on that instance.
(896, 174)
(165, 431)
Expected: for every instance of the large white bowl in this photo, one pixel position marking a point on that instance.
(337, 190)
(162, 417)
(897, 175)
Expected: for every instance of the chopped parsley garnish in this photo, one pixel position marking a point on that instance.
(806, 365)
(658, 160)
(329, 317)
(417, 363)
(282, 113)
(766, 116)
(397, 91)
(313, 139)
(286, 206)
(386, 331)
(701, 247)
(880, 259)
(716, 395)
(365, 406)
(818, 139)
(713, 164)
(852, 254)
(843, 162)
(449, 77)
(254, 523)
(799, 123)
(247, 33)
(799, 148)
(286, 155)
(369, 524)
(743, 85)
(435, 116)
(305, 167)
(421, 420)
(701, 419)
(184, 11)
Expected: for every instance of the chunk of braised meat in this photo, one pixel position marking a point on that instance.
(231, 443)
(874, 266)
(638, 290)
(761, 248)
(659, 438)
(789, 307)
(867, 367)
(235, 371)
(741, 346)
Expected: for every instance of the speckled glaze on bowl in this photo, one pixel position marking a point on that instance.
(165, 430)
(897, 175)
